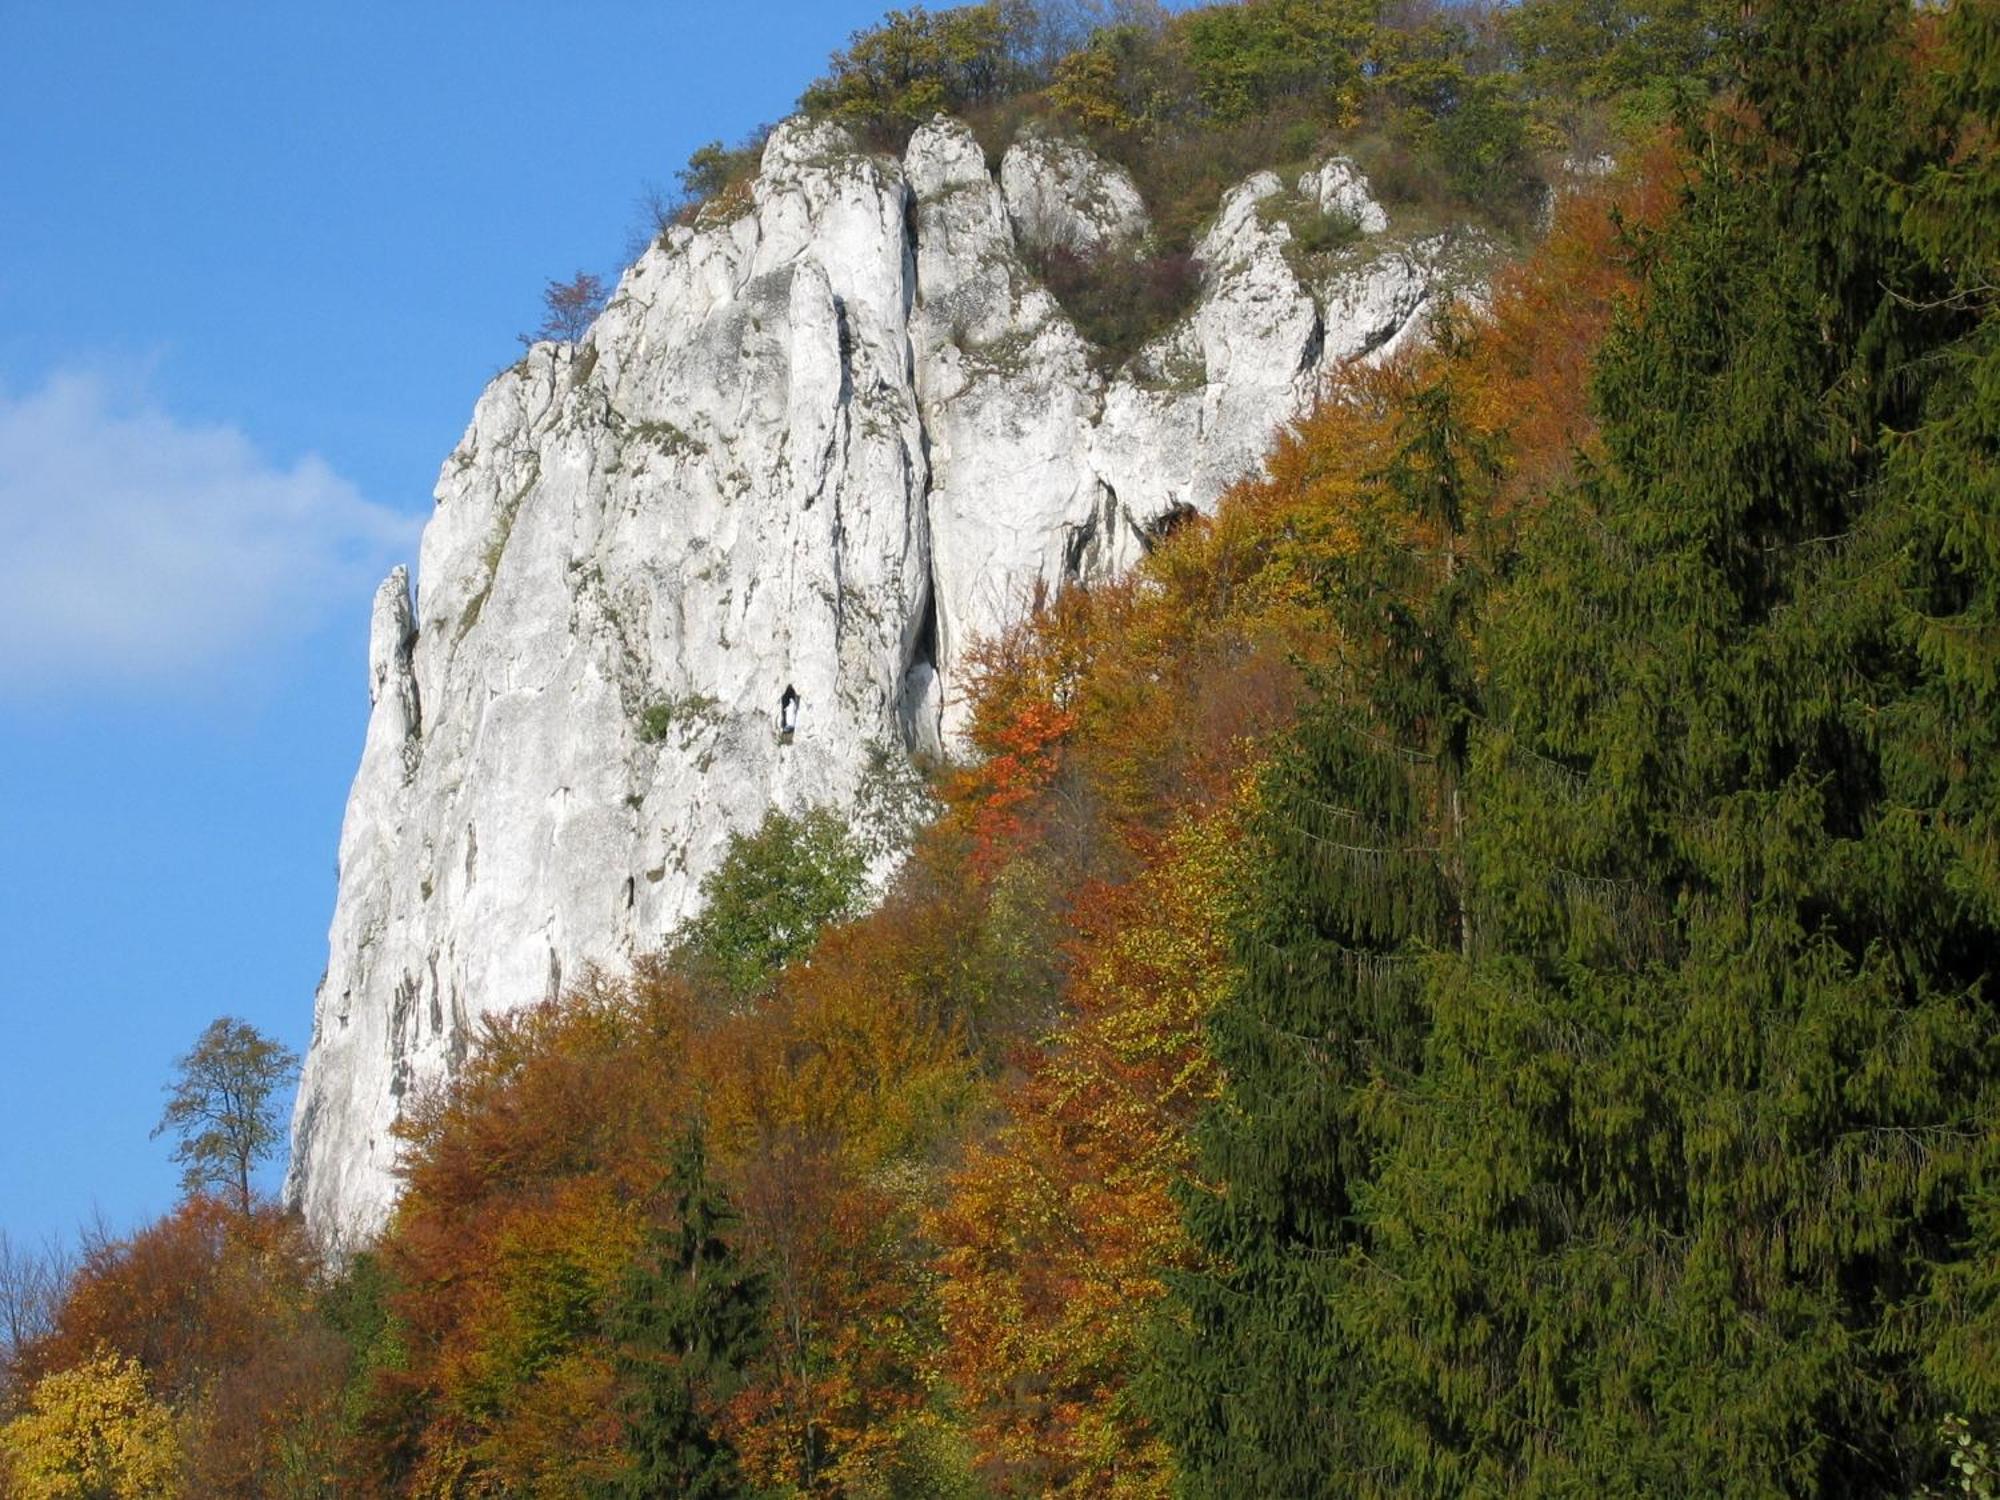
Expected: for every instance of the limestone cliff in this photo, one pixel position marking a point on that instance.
(814, 448)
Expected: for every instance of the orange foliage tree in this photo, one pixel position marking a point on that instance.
(1059, 1227)
(218, 1308)
(527, 1190)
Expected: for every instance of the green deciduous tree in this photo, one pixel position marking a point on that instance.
(915, 63)
(773, 892)
(221, 1105)
(1461, 116)
(1245, 58)
(1575, 55)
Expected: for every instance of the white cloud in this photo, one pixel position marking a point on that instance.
(140, 550)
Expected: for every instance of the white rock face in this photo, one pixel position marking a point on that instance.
(1340, 189)
(820, 448)
(1060, 192)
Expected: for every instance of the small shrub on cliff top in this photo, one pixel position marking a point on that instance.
(1119, 302)
(569, 308)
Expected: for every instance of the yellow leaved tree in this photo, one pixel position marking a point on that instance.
(93, 1432)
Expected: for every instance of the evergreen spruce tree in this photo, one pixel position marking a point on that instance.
(1672, 1169)
(1361, 878)
(1944, 742)
(688, 1321)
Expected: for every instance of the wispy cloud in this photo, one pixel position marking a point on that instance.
(137, 549)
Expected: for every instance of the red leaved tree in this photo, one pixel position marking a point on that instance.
(569, 308)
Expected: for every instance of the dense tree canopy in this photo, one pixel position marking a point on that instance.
(773, 892)
(1468, 972)
(1464, 104)
(1611, 1087)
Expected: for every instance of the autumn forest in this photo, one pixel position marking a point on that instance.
(1468, 972)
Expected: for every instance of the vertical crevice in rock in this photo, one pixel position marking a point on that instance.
(844, 333)
(921, 707)
(400, 1011)
(392, 678)
(1315, 347)
(1080, 549)
(912, 243)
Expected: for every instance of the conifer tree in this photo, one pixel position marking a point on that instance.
(689, 1320)
(1723, 1084)
(1671, 1172)
(1361, 877)
(1945, 740)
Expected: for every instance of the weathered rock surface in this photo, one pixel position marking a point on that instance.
(819, 447)
(1060, 193)
(1340, 190)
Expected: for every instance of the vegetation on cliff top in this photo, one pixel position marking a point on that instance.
(1467, 106)
(1460, 111)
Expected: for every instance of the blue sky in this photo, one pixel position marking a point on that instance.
(257, 262)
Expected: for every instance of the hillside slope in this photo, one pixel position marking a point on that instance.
(727, 553)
